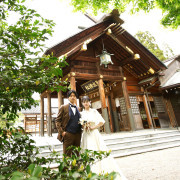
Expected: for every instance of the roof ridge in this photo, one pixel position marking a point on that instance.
(172, 58)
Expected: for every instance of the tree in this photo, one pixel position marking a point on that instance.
(150, 43)
(170, 8)
(23, 71)
(23, 68)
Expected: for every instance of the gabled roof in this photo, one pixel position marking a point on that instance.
(171, 78)
(35, 110)
(170, 60)
(174, 81)
(116, 41)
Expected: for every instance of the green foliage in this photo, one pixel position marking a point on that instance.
(23, 70)
(171, 11)
(170, 8)
(150, 43)
(17, 150)
(19, 160)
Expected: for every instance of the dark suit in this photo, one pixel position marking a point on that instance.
(62, 121)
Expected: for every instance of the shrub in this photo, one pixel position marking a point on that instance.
(19, 160)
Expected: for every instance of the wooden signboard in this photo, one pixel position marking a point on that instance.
(90, 85)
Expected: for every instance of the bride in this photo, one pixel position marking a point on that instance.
(92, 139)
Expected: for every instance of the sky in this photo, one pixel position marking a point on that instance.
(67, 22)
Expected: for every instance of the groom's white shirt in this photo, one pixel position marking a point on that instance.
(73, 109)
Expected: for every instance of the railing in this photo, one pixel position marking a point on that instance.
(31, 124)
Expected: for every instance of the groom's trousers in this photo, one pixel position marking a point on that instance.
(69, 140)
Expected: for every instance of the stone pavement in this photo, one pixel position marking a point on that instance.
(157, 165)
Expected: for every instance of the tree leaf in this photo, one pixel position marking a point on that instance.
(88, 169)
(37, 172)
(31, 168)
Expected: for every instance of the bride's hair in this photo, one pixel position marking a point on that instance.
(85, 98)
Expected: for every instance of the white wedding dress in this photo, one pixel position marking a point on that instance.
(93, 141)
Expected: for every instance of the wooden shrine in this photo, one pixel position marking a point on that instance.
(170, 86)
(123, 92)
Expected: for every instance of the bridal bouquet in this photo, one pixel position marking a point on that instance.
(85, 124)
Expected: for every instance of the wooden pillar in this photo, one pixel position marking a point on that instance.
(110, 113)
(42, 116)
(73, 83)
(147, 111)
(103, 106)
(49, 114)
(115, 114)
(128, 105)
(60, 99)
(127, 102)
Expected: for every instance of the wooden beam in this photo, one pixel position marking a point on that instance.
(86, 76)
(83, 67)
(112, 78)
(75, 55)
(116, 27)
(109, 70)
(117, 30)
(121, 44)
(44, 94)
(127, 61)
(110, 26)
(120, 32)
(88, 59)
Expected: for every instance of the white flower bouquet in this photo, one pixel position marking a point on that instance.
(85, 124)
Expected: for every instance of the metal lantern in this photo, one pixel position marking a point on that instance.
(105, 58)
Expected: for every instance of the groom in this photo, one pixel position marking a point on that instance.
(67, 123)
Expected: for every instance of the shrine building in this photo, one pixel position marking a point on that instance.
(117, 72)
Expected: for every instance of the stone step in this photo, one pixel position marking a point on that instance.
(133, 136)
(145, 146)
(142, 141)
(118, 139)
(129, 144)
(145, 150)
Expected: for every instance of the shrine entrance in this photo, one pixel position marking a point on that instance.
(91, 88)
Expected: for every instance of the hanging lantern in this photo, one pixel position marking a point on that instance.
(105, 57)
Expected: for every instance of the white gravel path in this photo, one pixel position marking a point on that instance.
(156, 165)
